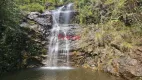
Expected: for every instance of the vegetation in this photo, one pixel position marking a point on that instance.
(37, 5)
(111, 29)
(14, 40)
(119, 20)
(112, 23)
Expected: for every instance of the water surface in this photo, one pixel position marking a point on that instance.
(59, 74)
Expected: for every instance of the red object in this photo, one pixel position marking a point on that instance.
(69, 37)
(76, 37)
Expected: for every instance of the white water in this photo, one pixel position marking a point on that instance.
(57, 68)
(59, 49)
(67, 15)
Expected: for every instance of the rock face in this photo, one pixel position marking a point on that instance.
(115, 63)
(39, 25)
(44, 19)
(42, 22)
(101, 52)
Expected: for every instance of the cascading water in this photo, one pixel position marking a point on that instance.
(68, 13)
(59, 49)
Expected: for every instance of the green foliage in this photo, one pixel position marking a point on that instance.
(94, 11)
(32, 7)
(37, 5)
(14, 40)
(8, 24)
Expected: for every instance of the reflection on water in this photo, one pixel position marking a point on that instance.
(60, 74)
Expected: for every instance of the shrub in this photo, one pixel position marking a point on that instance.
(32, 7)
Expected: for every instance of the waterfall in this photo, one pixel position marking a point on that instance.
(58, 50)
(68, 13)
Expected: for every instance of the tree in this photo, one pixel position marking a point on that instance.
(13, 39)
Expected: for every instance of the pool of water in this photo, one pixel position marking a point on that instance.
(59, 74)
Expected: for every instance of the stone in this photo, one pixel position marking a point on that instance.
(133, 62)
(44, 19)
(33, 15)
